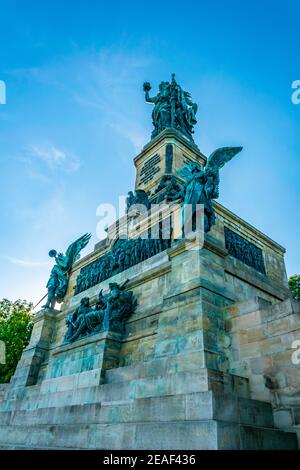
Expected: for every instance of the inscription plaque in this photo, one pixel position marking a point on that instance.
(150, 168)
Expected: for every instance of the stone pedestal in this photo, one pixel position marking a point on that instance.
(36, 352)
(165, 154)
(82, 363)
(188, 371)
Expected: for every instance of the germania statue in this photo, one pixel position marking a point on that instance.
(59, 277)
(173, 108)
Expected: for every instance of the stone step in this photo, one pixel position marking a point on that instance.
(209, 435)
(195, 406)
(191, 362)
(253, 438)
(60, 392)
(185, 363)
(63, 391)
(203, 435)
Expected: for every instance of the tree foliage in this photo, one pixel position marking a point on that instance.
(294, 283)
(15, 330)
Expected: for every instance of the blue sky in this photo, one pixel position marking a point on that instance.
(75, 115)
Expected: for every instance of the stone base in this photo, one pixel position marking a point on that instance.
(176, 379)
(133, 410)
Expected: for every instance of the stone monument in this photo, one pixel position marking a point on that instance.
(165, 339)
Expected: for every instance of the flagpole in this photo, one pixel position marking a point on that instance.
(40, 300)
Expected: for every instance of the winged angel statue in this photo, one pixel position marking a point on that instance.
(202, 185)
(59, 277)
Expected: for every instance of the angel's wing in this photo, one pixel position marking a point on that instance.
(72, 253)
(221, 156)
(186, 171)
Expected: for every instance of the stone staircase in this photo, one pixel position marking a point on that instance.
(132, 410)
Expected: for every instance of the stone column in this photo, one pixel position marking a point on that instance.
(191, 324)
(34, 354)
(111, 344)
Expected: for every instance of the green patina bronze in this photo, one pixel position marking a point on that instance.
(201, 186)
(110, 313)
(173, 108)
(59, 277)
(137, 199)
(243, 250)
(123, 255)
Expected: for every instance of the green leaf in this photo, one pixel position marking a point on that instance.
(294, 284)
(15, 330)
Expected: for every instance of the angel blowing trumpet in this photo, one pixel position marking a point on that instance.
(59, 277)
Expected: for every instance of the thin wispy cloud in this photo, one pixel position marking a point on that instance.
(44, 160)
(110, 81)
(54, 157)
(134, 133)
(25, 263)
(49, 212)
